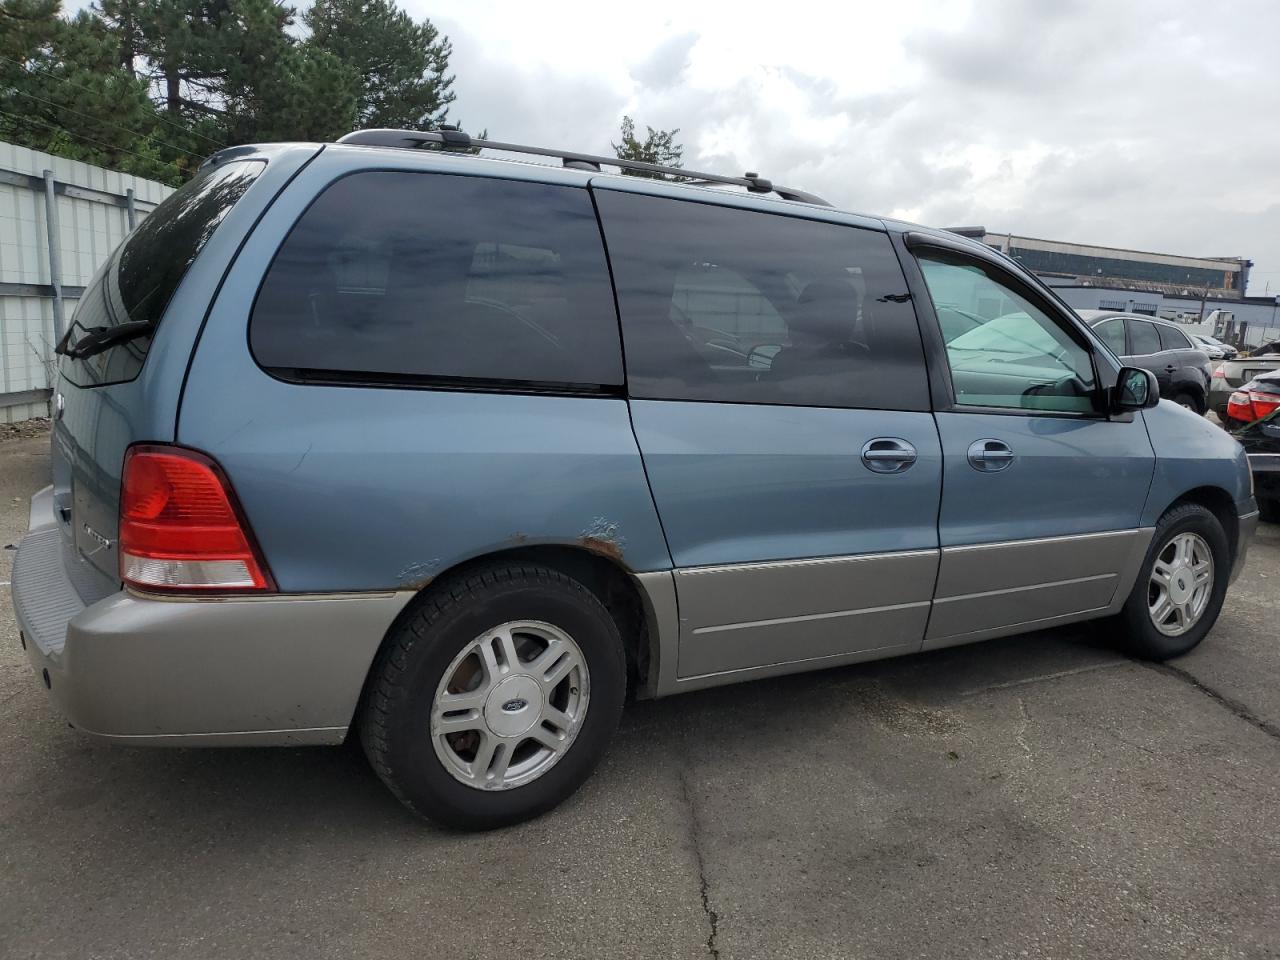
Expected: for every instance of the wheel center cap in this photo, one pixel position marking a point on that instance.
(1180, 585)
(513, 706)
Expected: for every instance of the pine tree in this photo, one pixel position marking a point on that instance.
(63, 91)
(658, 146)
(154, 86)
(402, 65)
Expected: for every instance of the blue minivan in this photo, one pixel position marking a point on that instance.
(451, 453)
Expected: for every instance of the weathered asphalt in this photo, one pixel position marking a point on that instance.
(1039, 796)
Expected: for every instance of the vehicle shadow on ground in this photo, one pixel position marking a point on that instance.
(259, 794)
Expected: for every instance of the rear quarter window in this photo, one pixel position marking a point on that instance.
(140, 278)
(1144, 337)
(1171, 339)
(444, 279)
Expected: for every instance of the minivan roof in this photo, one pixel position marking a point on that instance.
(450, 138)
(708, 187)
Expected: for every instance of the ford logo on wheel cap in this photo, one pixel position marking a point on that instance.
(515, 705)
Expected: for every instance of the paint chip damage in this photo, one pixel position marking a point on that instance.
(602, 536)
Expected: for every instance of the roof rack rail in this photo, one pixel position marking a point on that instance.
(447, 138)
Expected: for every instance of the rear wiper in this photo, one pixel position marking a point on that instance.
(100, 338)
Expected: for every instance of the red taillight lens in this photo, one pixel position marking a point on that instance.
(1263, 404)
(180, 528)
(1249, 405)
(1219, 372)
(1239, 407)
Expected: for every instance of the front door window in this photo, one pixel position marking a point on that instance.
(1008, 352)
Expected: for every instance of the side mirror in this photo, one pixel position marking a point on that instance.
(1135, 389)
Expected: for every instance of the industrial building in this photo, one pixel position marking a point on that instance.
(1206, 293)
(1220, 277)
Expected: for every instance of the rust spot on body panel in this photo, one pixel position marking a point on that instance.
(417, 575)
(602, 536)
(606, 548)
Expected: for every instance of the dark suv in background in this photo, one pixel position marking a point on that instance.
(1182, 369)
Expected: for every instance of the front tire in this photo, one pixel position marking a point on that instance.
(1180, 587)
(495, 698)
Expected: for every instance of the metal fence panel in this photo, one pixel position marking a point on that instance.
(92, 214)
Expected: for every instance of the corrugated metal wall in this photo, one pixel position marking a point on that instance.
(92, 214)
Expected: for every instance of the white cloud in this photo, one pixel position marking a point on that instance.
(1146, 124)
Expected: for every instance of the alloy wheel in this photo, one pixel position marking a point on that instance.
(510, 705)
(1181, 584)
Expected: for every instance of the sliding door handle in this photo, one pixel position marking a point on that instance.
(990, 456)
(888, 455)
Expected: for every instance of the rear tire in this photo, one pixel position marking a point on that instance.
(1269, 510)
(1190, 401)
(517, 639)
(1189, 543)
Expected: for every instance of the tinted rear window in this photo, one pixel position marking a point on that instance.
(745, 307)
(139, 279)
(393, 274)
(1171, 339)
(1144, 337)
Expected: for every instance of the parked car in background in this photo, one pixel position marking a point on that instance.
(1231, 375)
(1258, 398)
(1182, 369)
(1216, 349)
(443, 508)
(1254, 418)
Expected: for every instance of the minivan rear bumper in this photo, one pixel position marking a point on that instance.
(151, 670)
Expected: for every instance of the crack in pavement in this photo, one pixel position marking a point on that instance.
(1044, 677)
(1021, 735)
(1234, 706)
(695, 837)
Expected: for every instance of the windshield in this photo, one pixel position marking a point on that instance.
(137, 282)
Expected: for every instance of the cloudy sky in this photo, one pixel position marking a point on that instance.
(1152, 125)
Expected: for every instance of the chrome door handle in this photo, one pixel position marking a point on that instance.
(990, 456)
(888, 455)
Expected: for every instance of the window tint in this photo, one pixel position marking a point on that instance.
(1112, 333)
(747, 307)
(419, 274)
(1015, 355)
(139, 279)
(1171, 339)
(1144, 337)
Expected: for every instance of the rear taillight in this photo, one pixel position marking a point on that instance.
(1239, 407)
(1264, 404)
(1249, 405)
(1219, 372)
(181, 527)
